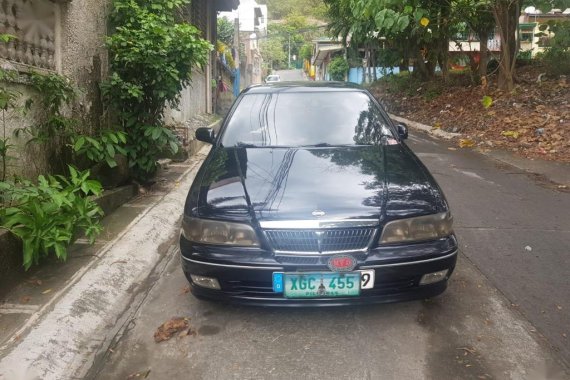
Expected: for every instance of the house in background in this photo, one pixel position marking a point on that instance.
(532, 39)
(252, 20)
(323, 50)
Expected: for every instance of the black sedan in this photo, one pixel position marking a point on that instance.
(309, 196)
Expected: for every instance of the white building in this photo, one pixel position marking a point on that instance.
(252, 17)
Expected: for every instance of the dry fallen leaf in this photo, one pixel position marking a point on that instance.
(168, 329)
(25, 299)
(139, 375)
(35, 281)
(466, 143)
(46, 291)
(187, 332)
(513, 134)
(185, 290)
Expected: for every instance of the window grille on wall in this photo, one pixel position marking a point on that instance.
(34, 24)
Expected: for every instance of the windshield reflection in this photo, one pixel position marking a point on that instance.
(289, 119)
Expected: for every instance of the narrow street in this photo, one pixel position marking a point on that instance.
(290, 75)
(505, 314)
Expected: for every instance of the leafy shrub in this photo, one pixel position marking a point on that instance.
(338, 68)
(153, 55)
(556, 56)
(47, 217)
(101, 148)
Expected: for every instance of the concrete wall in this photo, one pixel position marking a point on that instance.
(83, 52)
(192, 101)
(80, 54)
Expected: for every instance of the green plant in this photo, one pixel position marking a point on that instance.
(338, 68)
(8, 99)
(153, 55)
(52, 128)
(47, 217)
(226, 31)
(556, 56)
(101, 148)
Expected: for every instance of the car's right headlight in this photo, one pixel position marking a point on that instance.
(208, 231)
(420, 228)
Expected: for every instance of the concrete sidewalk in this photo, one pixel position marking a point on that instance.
(61, 337)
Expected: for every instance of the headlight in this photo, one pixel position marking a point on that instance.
(216, 232)
(427, 227)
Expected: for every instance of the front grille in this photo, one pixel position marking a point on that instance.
(321, 241)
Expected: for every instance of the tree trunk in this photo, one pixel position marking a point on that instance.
(373, 62)
(483, 52)
(506, 15)
(369, 76)
(424, 69)
(443, 55)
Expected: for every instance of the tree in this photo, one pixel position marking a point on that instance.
(153, 56)
(506, 14)
(338, 68)
(272, 52)
(226, 31)
(280, 9)
(421, 27)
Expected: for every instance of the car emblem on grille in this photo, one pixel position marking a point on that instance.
(342, 263)
(318, 213)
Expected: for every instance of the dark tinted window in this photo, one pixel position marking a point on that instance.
(308, 118)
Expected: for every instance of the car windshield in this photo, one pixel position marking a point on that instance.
(297, 119)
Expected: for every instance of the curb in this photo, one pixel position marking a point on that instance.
(425, 128)
(66, 334)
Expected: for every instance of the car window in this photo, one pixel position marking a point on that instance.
(304, 119)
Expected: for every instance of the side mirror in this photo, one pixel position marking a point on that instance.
(206, 135)
(402, 131)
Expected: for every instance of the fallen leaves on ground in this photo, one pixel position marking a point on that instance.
(46, 291)
(533, 121)
(25, 299)
(168, 329)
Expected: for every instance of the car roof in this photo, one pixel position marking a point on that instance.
(307, 86)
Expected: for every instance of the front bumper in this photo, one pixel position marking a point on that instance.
(245, 275)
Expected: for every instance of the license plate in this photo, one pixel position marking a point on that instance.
(321, 284)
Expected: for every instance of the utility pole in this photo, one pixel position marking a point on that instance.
(237, 73)
(289, 66)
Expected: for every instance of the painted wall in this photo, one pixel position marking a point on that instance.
(356, 74)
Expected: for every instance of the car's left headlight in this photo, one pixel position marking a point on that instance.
(208, 231)
(420, 228)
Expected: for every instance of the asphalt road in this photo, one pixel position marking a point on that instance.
(502, 317)
(290, 75)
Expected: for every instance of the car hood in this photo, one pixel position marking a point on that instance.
(360, 182)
